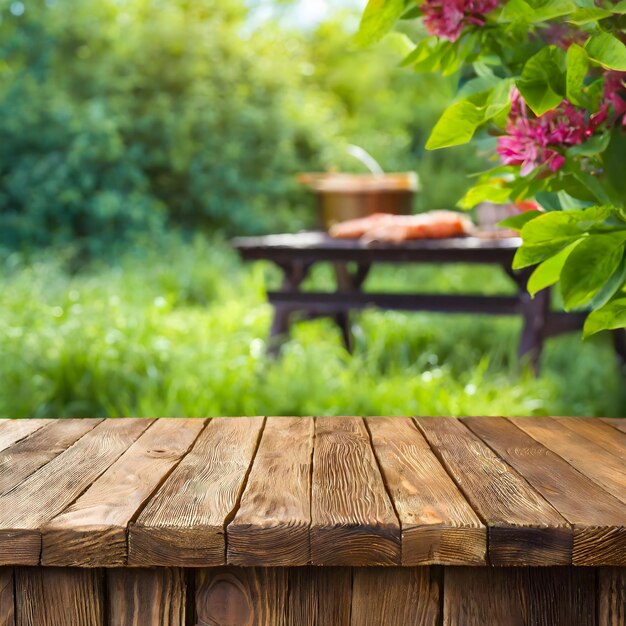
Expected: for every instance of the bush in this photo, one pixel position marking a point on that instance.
(121, 118)
(124, 114)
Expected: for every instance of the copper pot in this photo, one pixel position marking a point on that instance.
(342, 197)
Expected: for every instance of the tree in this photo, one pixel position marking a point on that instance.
(545, 82)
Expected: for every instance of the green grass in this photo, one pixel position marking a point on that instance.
(181, 331)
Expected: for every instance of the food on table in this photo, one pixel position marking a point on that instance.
(397, 228)
(353, 229)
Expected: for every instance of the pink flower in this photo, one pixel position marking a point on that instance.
(533, 141)
(447, 18)
(615, 95)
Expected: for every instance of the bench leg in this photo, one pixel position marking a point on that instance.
(535, 312)
(342, 319)
(348, 282)
(279, 330)
(294, 275)
(619, 342)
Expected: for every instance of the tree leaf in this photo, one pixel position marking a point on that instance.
(620, 7)
(551, 9)
(378, 19)
(517, 222)
(588, 14)
(543, 80)
(426, 56)
(459, 122)
(590, 266)
(549, 271)
(549, 233)
(499, 100)
(609, 317)
(611, 287)
(608, 51)
(484, 192)
(577, 66)
(533, 12)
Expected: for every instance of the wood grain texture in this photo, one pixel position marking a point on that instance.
(50, 596)
(599, 433)
(616, 422)
(320, 596)
(92, 532)
(598, 519)
(611, 596)
(20, 460)
(353, 521)
(549, 596)
(146, 597)
(238, 596)
(271, 527)
(184, 523)
(586, 456)
(7, 599)
(438, 525)
(12, 431)
(524, 529)
(395, 596)
(44, 494)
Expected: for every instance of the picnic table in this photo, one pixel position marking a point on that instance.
(303, 521)
(353, 259)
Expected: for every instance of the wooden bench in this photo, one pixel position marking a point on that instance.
(297, 253)
(301, 521)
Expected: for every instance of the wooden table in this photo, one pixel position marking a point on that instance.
(295, 254)
(301, 521)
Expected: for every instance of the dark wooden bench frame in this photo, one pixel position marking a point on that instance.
(353, 259)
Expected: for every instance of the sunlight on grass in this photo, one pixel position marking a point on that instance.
(181, 331)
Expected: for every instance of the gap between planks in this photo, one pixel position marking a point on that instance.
(244, 484)
(137, 513)
(532, 533)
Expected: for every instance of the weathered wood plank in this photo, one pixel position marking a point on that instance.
(586, 456)
(438, 525)
(271, 527)
(616, 422)
(524, 529)
(320, 596)
(598, 519)
(20, 460)
(44, 494)
(50, 596)
(92, 532)
(353, 521)
(395, 596)
(611, 596)
(605, 436)
(12, 431)
(146, 597)
(547, 596)
(184, 523)
(7, 598)
(242, 596)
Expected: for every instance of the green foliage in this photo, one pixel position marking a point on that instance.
(180, 329)
(557, 53)
(542, 83)
(126, 118)
(378, 19)
(126, 114)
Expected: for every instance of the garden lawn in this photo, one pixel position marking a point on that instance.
(180, 330)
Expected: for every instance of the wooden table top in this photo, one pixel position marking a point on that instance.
(317, 245)
(328, 491)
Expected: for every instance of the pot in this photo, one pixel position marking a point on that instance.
(342, 197)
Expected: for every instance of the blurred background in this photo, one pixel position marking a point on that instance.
(137, 136)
